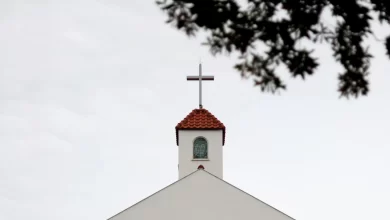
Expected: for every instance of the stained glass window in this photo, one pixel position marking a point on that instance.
(200, 148)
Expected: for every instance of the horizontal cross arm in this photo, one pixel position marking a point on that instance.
(190, 78)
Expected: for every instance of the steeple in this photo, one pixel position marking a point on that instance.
(200, 137)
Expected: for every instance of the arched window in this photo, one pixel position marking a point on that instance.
(200, 148)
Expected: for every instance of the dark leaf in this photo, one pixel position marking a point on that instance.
(233, 28)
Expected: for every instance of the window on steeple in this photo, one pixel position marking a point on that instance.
(200, 148)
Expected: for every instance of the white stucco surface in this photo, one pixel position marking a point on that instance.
(214, 163)
(200, 195)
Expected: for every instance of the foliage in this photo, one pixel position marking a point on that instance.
(235, 28)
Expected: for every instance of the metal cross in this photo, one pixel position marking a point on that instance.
(200, 78)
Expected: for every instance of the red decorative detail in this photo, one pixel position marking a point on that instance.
(200, 167)
(200, 119)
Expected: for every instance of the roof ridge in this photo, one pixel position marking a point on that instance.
(154, 194)
(186, 177)
(246, 193)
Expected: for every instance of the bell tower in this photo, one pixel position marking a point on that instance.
(200, 137)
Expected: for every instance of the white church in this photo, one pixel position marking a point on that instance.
(200, 192)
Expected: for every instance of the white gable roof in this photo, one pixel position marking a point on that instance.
(201, 195)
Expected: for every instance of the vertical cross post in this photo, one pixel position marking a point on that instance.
(200, 78)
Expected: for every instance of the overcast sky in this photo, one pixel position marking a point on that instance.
(90, 93)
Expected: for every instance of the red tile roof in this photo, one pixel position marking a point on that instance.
(200, 119)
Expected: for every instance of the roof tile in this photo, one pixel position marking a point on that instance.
(200, 119)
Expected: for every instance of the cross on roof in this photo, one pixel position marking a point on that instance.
(200, 78)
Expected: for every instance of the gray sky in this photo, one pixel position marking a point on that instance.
(90, 93)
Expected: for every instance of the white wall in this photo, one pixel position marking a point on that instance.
(201, 196)
(214, 163)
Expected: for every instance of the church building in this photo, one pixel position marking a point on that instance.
(200, 191)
